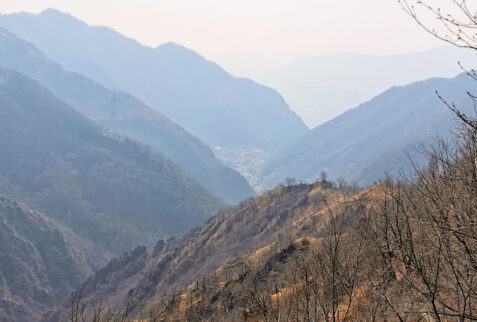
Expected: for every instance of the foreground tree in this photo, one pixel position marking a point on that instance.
(453, 21)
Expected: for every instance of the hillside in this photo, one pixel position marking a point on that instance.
(401, 250)
(272, 220)
(42, 262)
(124, 114)
(404, 252)
(322, 87)
(365, 143)
(113, 191)
(197, 94)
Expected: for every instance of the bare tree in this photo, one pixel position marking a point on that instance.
(453, 21)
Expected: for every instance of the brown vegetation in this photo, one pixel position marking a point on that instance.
(403, 250)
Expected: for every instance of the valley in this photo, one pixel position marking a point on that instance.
(248, 162)
(142, 181)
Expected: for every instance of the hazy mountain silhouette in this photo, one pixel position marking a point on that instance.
(364, 143)
(113, 191)
(210, 103)
(322, 87)
(126, 115)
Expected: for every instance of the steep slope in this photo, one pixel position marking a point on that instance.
(403, 252)
(123, 114)
(199, 95)
(322, 87)
(247, 288)
(113, 191)
(272, 220)
(320, 253)
(366, 142)
(41, 262)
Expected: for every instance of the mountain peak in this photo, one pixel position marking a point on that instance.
(191, 90)
(52, 12)
(171, 44)
(57, 17)
(176, 48)
(49, 12)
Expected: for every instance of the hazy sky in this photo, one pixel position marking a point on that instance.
(247, 36)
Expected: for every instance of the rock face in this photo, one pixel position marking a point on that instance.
(110, 190)
(220, 109)
(124, 114)
(41, 262)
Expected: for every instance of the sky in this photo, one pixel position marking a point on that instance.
(252, 36)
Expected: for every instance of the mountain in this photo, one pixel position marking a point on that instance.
(318, 104)
(269, 222)
(322, 87)
(124, 114)
(399, 250)
(111, 190)
(198, 94)
(368, 141)
(42, 262)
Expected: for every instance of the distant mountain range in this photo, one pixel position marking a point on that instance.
(110, 190)
(322, 87)
(124, 114)
(199, 95)
(365, 143)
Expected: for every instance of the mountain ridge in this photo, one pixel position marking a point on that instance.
(124, 114)
(354, 78)
(188, 90)
(111, 190)
(365, 143)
